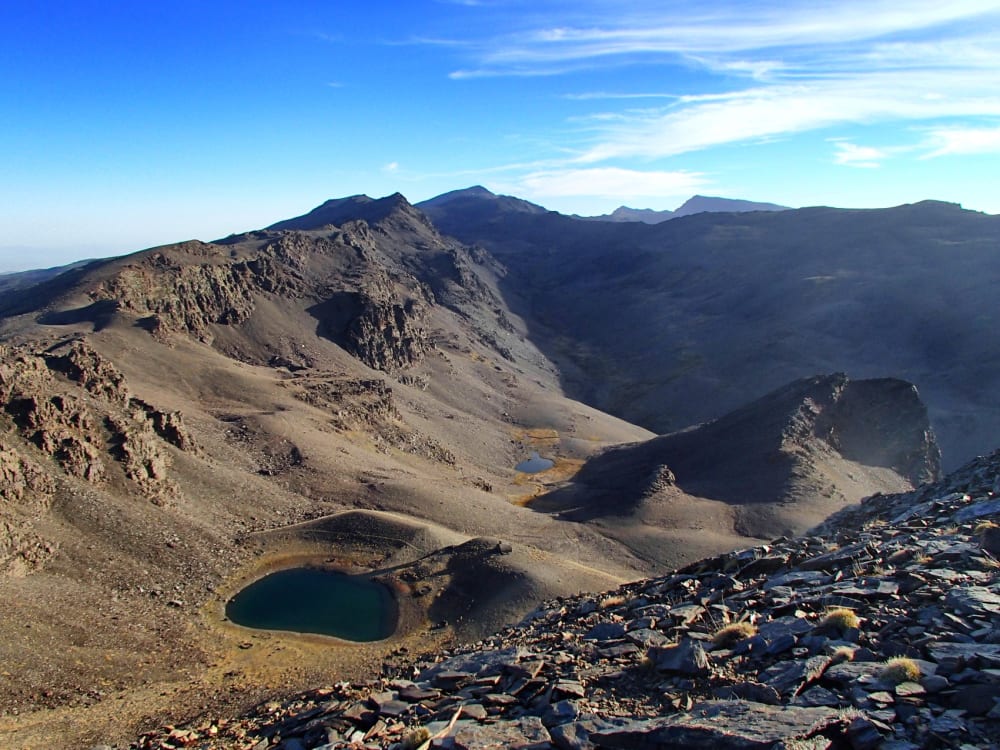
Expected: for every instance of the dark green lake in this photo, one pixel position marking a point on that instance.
(313, 600)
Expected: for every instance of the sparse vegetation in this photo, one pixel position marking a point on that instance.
(647, 663)
(840, 618)
(611, 601)
(842, 654)
(415, 739)
(900, 669)
(983, 526)
(732, 634)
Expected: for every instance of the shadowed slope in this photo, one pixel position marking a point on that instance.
(667, 325)
(787, 460)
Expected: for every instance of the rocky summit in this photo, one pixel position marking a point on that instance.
(878, 629)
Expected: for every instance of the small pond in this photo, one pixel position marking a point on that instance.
(535, 464)
(313, 600)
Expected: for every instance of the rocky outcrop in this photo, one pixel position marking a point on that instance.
(25, 492)
(61, 425)
(352, 402)
(878, 630)
(172, 295)
(74, 406)
(386, 336)
(21, 479)
(99, 377)
(367, 405)
(190, 287)
(878, 422)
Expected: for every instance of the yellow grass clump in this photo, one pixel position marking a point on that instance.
(900, 669)
(983, 526)
(732, 634)
(841, 618)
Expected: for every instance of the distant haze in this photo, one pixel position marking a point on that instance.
(128, 127)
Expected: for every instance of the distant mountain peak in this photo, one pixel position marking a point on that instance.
(339, 210)
(624, 214)
(477, 200)
(697, 204)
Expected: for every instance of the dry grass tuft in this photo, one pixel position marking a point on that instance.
(900, 669)
(732, 634)
(611, 601)
(416, 739)
(842, 654)
(841, 618)
(983, 526)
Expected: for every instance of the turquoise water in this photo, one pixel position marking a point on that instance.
(312, 600)
(534, 464)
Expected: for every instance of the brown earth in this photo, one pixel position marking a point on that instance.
(175, 423)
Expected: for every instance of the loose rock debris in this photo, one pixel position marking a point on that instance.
(915, 665)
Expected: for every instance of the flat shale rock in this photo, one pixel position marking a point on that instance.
(687, 658)
(722, 724)
(526, 733)
(577, 735)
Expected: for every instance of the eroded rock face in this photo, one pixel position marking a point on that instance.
(189, 288)
(882, 422)
(66, 412)
(387, 336)
(25, 491)
(366, 404)
(98, 376)
(189, 297)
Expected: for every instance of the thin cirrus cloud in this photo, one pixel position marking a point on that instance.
(963, 141)
(791, 108)
(724, 30)
(777, 71)
(852, 155)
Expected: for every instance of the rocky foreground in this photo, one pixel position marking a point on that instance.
(879, 630)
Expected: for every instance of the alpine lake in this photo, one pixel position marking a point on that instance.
(318, 601)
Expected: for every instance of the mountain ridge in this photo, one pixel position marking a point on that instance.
(759, 299)
(693, 205)
(176, 423)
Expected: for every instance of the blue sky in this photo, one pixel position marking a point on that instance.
(125, 125)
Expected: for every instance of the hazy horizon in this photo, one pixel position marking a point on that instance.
(130, 127)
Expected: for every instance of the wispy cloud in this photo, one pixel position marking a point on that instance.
(597, 95)
(957, 140)
(852, 155)
(774, 70)
(728, 31)
(798, 107)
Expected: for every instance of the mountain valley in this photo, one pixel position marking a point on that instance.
(354, 387)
